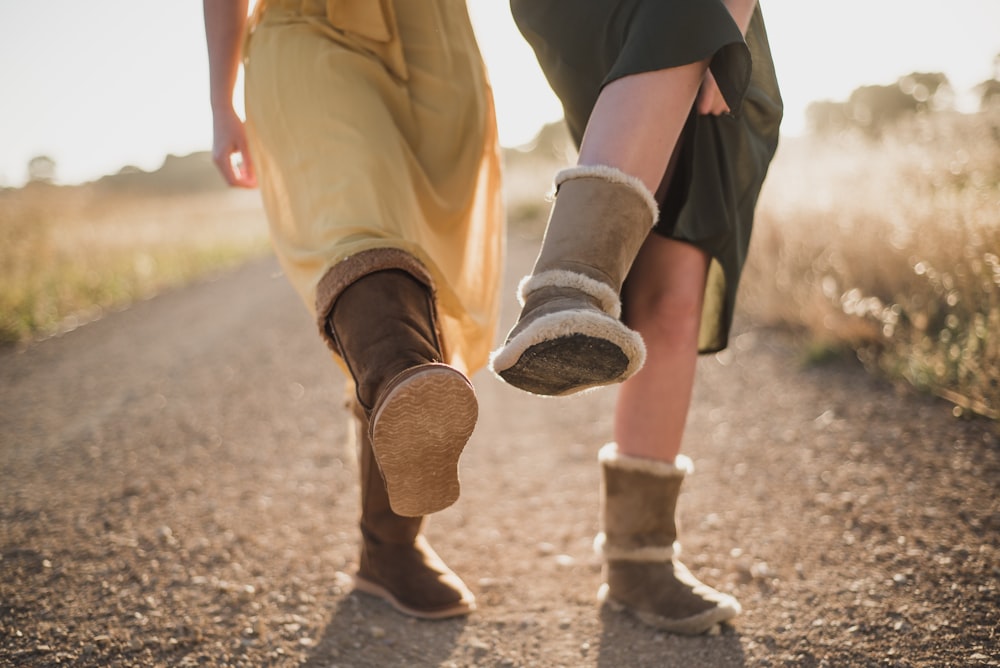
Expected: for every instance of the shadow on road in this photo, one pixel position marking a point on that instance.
(626, 642)
(361, 633)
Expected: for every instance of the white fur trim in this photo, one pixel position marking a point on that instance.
(653, 553)
(613, 175)
(560, 278)
(609, 456)
(568, 323)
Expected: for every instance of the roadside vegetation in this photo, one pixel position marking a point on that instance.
(70, 253)
(880, 234)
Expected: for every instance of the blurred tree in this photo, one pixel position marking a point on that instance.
(41, 169)
(989, 90)
(178, 175)
(873, 108)
(924, 87)
(989, 94)
(826, 117)
(553, 141)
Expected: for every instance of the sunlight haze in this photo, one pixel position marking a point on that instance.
(98, 86)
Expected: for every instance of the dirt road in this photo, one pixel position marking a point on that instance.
(177, 488)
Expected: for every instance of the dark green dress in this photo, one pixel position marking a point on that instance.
(582, 45)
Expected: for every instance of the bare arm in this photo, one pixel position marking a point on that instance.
(225, 21)
(710, 100)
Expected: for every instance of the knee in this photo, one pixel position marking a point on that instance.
(665, 316)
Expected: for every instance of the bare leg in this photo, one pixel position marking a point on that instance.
(662, 299)
(663, 302)
(638, 119)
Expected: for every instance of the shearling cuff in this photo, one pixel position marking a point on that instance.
(355, 267)
(609, 456)
(560, 278)
(612, 175)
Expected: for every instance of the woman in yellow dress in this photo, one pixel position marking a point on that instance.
(370, 130)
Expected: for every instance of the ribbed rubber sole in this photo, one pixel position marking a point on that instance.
(567, 351)
(460, 608)
(419, 427)
(567, 364)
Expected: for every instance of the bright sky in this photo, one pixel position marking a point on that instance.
(99, 85)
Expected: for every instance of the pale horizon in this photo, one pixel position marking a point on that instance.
(98, 86)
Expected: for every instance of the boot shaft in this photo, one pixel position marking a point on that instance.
(383, 323)
(600, 219)
(639, 504)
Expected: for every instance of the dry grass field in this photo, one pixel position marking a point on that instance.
(67, 254)
(889, 247)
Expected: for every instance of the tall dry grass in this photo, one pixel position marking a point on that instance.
(890, 247)
(67, 254)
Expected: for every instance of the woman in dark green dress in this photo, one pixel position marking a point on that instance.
(675, 108)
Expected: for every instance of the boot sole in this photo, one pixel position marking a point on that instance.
(567, 364)
(695, 625)
(563, 353)
(460, 608)
(419, 428)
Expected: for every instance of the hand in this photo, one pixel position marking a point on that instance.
(710, 100)
(230, 150)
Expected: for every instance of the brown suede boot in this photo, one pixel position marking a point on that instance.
(642, 572)
(422, 411)
(569, 337)
(397, 563)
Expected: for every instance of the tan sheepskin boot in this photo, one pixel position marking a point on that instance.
(397, 563)
(381, 320)
(642, 573)
(569, 336)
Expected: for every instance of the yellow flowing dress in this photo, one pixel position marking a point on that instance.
(371, 126)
